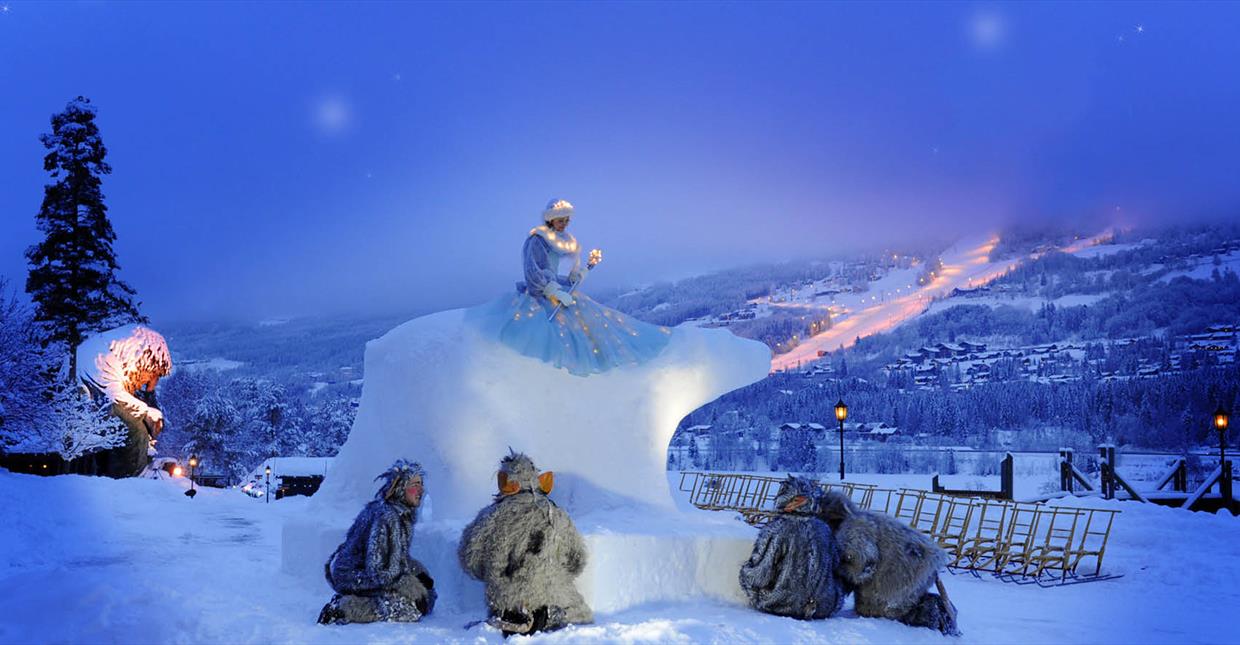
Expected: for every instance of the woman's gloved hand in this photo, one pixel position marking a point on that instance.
(558, 296)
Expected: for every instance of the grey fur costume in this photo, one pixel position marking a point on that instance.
(889, 565)
(374, 576)
(527, 551)
(791, 571)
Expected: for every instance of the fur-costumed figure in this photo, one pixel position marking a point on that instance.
(374, 576)
(791, 571)
(889, 565)
(527, 551)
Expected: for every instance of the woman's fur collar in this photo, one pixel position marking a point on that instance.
(562, 242)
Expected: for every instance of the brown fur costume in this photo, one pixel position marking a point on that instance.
(527, 551)
(889, 565)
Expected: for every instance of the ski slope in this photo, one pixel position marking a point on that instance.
(893, 299)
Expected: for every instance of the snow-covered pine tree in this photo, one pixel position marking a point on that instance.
(87, 425)
(73, 269)
(212, 432)
(331, 424)
(25, 423)
(178, 400)
(260, 407)
(38, 412)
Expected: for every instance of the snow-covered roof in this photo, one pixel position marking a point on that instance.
(290, 466)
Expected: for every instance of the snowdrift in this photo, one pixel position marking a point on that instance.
(439, 393)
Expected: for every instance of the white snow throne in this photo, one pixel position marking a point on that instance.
(456, 389)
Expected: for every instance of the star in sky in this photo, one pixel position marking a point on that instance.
(1140, 29)
(4, 8)
(396, 76)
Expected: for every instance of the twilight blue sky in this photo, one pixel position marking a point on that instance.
(296, 158)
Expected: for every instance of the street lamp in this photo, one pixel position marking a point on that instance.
(841, 413)
(268, 470)
(193, 463)
(1221, 417)
(1224, 485)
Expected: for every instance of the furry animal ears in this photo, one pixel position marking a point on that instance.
(510, 486)
(517, 472)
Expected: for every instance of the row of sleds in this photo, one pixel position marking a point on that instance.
(1020, 542)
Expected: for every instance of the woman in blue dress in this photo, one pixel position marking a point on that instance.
(551, 320)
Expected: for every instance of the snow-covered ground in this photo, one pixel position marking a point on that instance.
(1103, 250)
(133, 561)
(1203, 268)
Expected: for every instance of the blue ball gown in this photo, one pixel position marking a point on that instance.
(585, 337)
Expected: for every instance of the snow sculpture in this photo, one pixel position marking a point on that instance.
(594, 393)
(455, 392)
(125, 364)
(438, 391)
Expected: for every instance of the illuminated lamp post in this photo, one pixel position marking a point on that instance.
(268, 470)
(841, 413)
(1221, 418)
(193, 463)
